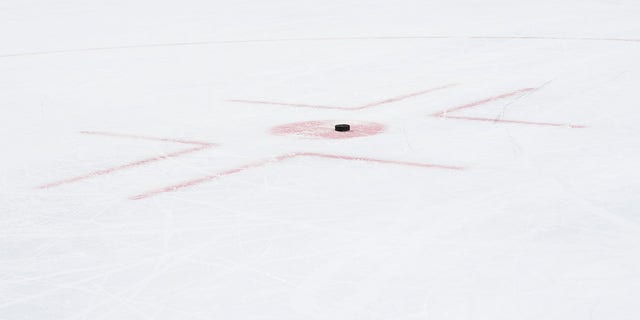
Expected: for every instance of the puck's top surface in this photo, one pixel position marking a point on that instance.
(343, 127)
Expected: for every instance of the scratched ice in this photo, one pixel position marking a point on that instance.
(177, 160)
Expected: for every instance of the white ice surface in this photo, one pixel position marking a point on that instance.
(543, 222)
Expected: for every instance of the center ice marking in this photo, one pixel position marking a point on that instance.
(326, 129)
(310, 129)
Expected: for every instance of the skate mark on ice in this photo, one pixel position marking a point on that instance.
(281, 158)
(276, 40)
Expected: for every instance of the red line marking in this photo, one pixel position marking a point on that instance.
(404, 163)
(446, 113)
(132, 136)
(204, 179)
(403, 97)
(281, 158)
(369, 105)
(123, 167)
(200, 146)
(477, 103)
(550, 124)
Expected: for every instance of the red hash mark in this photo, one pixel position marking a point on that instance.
(199, 146)
(447, 112)
(133, 136)
(366, 106)
(281, 158)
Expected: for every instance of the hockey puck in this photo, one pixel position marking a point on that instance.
(343, 127)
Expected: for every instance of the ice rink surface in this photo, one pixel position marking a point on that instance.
(176, 159)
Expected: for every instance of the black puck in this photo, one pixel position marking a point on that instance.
(343, 127)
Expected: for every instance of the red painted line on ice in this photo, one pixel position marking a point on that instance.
(204, 179)
(368, 105)
(446, 113)
(549, 124)
(133, 136)
(199, 147)
(281, 158)
(403, 97)
(403, 163)
(483, 101)
(123, 167)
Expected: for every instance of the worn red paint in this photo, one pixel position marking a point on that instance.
(190, 183)
(325, 129)
(199, 147)
(133, 136)
(446, 113)
(123, 167)
(403, 97)
(365, 106)
(483, 101)
(549, 124)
